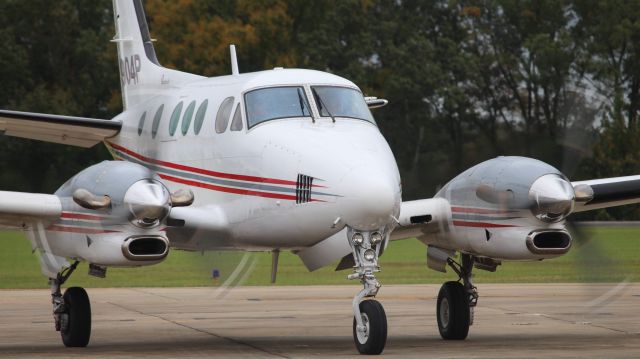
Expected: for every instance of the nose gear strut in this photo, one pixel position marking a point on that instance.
(370, 321)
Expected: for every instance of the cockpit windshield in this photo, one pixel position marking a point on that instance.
(341, 102)
(276, 102)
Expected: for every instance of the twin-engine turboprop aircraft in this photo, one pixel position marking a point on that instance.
(283, 159)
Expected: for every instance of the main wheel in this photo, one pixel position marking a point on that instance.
(77, 329)
(453, 311)
(373, 339)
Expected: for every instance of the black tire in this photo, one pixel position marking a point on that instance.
(453, 311)
(372, 342)
(78, 330)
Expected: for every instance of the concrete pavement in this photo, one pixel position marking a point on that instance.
(511, 321)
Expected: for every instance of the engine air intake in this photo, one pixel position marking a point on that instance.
(549, 242)
(145, 248)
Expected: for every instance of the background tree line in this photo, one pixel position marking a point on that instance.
(466, 80)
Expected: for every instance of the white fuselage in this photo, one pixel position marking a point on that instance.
(259, 177)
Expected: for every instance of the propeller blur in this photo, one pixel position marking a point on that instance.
(283, 159)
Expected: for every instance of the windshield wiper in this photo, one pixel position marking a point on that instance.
(322, 105)
(302, 105)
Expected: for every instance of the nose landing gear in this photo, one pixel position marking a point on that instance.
(370, 320)
(71, 311)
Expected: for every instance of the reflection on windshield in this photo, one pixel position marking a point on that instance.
(341, 102)
(275, 102)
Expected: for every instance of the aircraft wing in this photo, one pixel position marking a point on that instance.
(198, 228)
(607, 192)
(18, 209)
(75, 131)
(422, 217)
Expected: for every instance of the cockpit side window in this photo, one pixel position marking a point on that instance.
(335, 102)
(222, 118)
(274, 103)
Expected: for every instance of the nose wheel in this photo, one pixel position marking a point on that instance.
(372, 336)
(369, 318)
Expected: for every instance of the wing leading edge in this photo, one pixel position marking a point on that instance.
(20, 209)
(74, 131)
(608, 192)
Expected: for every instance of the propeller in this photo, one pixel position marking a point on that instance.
(589, 257)
(223, 269)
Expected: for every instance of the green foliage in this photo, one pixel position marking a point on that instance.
(558, 80)
(56, 58)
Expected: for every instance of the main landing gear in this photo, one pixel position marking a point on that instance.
(456, 301)
(71, 311)
(370, 320)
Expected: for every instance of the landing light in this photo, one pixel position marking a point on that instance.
(369, 255)
(376, 238)
(357, 239)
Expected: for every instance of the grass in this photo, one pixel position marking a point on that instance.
(612, 254)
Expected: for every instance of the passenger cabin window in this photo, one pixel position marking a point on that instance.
(141, 123)
(275, 102)
(341, 102)
(197, 123)
(156, 122)
(175, 117)
(188, 115)
(236, 124)
(224, 112)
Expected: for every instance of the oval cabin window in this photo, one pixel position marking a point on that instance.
(175, 117)
(156, 121)
(222, 118)
(188, 115)
(197, 123)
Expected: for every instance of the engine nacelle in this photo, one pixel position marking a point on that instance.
(113, 214)
(507, 208)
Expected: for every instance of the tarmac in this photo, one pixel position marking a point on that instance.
(511, 321)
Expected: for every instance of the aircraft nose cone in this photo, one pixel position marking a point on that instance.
(368, 199)
(552, 196)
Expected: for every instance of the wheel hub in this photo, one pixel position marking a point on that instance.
(444, 312)
(363, 332)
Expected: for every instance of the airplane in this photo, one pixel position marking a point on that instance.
(282, 159)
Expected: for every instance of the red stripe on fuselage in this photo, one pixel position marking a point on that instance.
(480, 210)
(57, 228)
(203, 171)
(480, 224)
(81, 216)
(226, 189)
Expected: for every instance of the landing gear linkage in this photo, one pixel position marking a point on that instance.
(59, 307)
(456, 301)
(71, 311)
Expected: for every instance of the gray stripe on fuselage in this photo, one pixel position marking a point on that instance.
(221, 182)
(477, 217)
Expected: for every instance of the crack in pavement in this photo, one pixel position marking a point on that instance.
(233, 340)
(562, 320)
(154, 294)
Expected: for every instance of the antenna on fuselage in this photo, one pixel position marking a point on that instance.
(234, 60)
